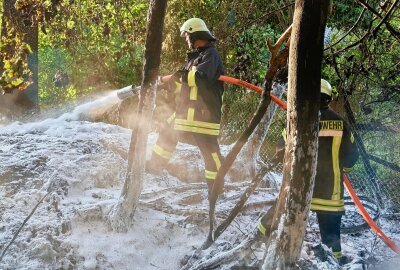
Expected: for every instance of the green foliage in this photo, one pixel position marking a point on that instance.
(14, 71)
(250, 56)
(1, 13)
(343, 12)
(248, 60)
(102, 44)
(51, 60)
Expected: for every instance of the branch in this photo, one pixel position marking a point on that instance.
(335, 66)
(394, 33)
(22, 225)
(261, 17)
(375, 127)
(348, 32)
(385, 163)
(357, 42)
(389, 27)
(384, 19)
(278, 59)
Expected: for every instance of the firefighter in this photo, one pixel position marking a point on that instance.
(198, 102)
(337, 153)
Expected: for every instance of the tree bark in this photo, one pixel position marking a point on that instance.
(121, 216)
(305, 57)
(19, 103)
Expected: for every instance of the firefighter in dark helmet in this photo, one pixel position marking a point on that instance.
(337, 153)
(198, 102)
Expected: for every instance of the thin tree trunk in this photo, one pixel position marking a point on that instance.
(306, 47)
(245, 165)
(277, 61)
(121, 216)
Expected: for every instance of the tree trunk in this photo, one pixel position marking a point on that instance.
(121, 216)
(245, 165)
(19, 103)
(306, 48)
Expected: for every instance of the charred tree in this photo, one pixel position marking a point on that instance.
(305, 57)
(19, 100)
(121, 216)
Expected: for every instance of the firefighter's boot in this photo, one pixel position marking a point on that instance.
(156, 164)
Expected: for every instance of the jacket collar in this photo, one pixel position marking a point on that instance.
(198, 50)
(203, 48)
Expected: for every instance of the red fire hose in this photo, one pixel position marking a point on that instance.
(251, 87)
(367, 217)
(347, 184)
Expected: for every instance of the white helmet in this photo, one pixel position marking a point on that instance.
(326, 87)
(194, 25)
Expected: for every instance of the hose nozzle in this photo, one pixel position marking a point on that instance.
(128, 91)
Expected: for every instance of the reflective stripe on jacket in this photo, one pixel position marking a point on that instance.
(200, 98)
(336, 151)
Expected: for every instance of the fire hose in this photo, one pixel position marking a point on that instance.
(347, 183)
(367, 217)
(132, 90)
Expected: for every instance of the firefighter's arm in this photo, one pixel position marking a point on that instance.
(170, 83)
(349, 150)
(207, 70)
(209, 67)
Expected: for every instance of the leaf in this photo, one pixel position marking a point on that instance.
(7, 64)
(28, 47)
(70, 24)
(17, 82)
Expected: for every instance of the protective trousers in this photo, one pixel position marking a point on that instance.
(329, 227)
(208, 146)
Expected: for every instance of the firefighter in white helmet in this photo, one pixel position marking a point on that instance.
(196, 29)
(199, 102)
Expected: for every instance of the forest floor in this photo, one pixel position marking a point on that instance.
(80, 167)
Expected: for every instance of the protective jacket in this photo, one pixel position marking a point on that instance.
(337, 153)
(200, 98)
